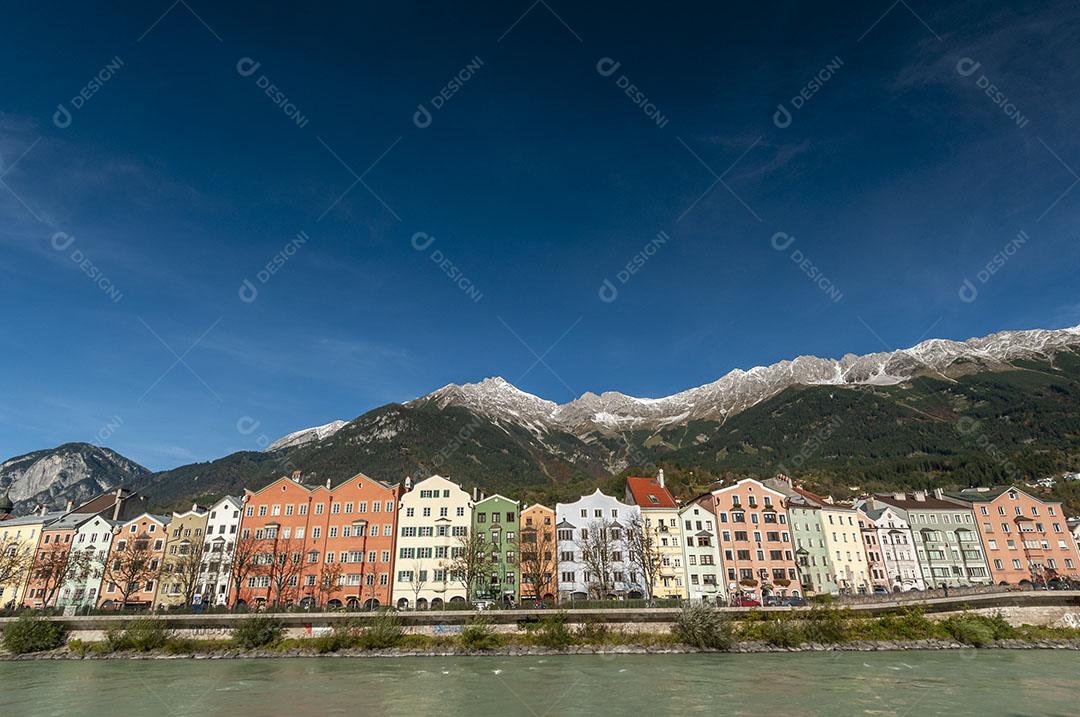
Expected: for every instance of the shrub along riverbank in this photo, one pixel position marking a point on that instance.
(696, 628)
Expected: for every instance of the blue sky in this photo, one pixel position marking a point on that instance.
(923, 141)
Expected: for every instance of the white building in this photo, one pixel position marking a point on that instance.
(600, 520)
(701, 555)
(897, 546)
(433, 517)
(93, 536)
(222, 529)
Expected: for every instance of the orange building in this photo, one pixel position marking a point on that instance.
(755, 539)
(319, 546)
(1027, 540)
(536, 534)
(135, 560)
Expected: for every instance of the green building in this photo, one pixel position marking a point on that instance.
(811, 553)
(495, 519)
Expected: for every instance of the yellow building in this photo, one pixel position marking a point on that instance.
(183, 558)
(660, 513)
(843, 543)
(20, 536)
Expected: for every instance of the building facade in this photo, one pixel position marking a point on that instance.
(52, 563)
(891, 546)
(434, 518)
(947, 543)
(592, 553)
(134, 563)
(755, 540)
(538, 564)
(183, 558)
(701, 555)
(660, 516)
(21, 536)
(808, 538)
(82, 582)
(318, 545)
(222, 532)
(1027, 540)
(495, 519)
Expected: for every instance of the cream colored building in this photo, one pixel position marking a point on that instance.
(433, 517)
(660, 513)
(22, 535)
(844, 544)
(186, 536)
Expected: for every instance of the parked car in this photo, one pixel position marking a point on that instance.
(881, 590)
(795, 601)
(773, 601)
(747, 602)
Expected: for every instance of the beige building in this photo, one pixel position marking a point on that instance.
(433, 517)
(660, 514)
(182, 564)
(21, 536)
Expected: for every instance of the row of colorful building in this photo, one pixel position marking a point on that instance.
(366, 544)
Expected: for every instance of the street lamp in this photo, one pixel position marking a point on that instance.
(361, 525)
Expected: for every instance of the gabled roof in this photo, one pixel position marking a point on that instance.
(534, 506)
(648, 493)
(492, 497)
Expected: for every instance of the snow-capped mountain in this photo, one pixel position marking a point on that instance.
(307, 435)
(73, 471)
(612, 412)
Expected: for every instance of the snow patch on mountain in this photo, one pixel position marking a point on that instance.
(307, 435)
(613, 412)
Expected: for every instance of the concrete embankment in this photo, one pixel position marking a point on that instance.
(1044, 608)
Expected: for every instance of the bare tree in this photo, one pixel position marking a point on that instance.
(329, 581)
(472, 560)
(598, 553)
(417, 581)
(283, 566)
(537, 562)
(185, 567)
(131, 564)
(16, 559)
(244, 558)
(643, 551)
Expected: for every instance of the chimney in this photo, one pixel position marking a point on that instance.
(939, 494)
(39, 509)
(194, 507)
(920, 495)
(328, 484)
(899, 496)
(296, 476)
(660, 477)
(408, 483)
(475, 494)
(69, 506)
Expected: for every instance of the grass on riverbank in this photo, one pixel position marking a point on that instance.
(696, 627)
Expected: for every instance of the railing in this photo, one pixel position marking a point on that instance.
(914, 596)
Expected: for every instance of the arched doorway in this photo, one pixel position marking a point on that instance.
(436, 603)
(634, 595)
(334, 604)
(307, 603)
(352, 603)
(422, 604)
(371, 604)
(548, 597)
(457, 600)
(403, 604)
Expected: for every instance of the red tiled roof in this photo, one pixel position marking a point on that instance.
(648, 493)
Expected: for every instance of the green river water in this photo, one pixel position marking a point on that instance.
(992, 682)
